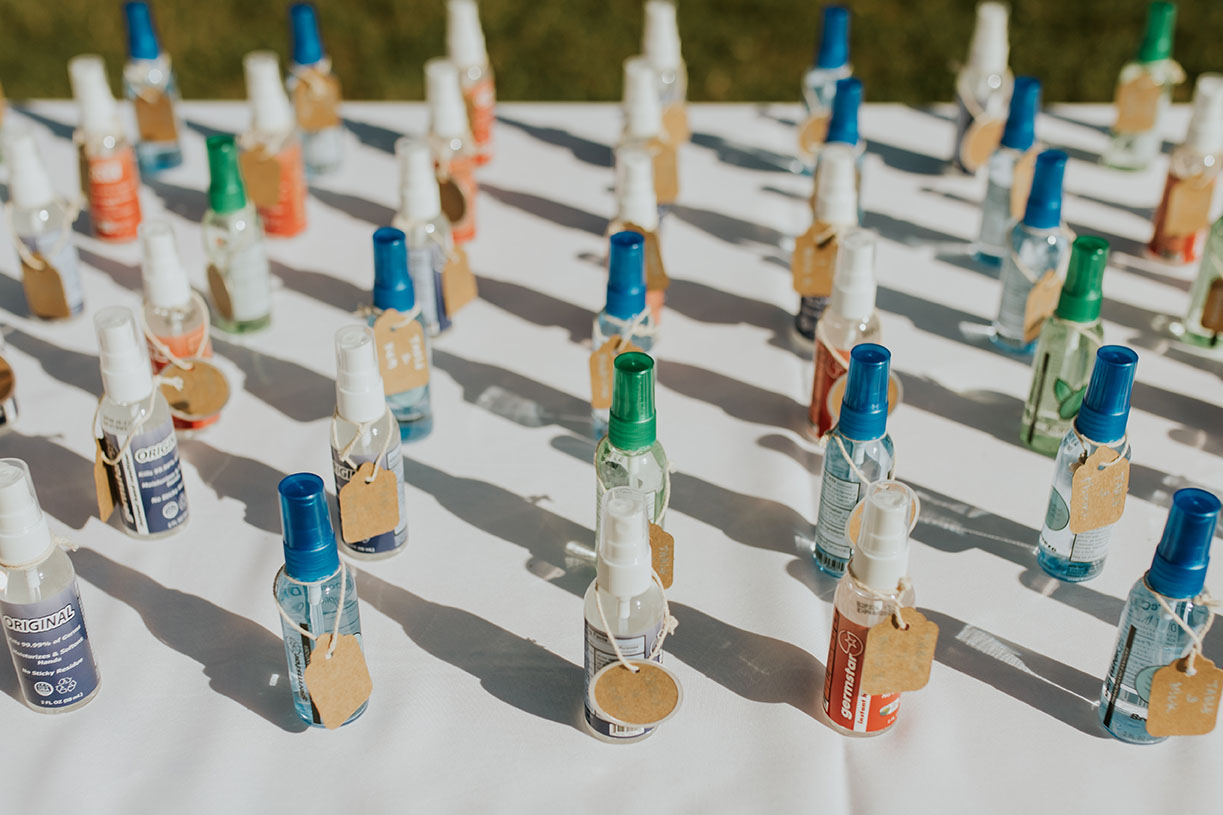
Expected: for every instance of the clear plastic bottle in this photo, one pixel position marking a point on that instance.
(1203, 324)
(643, 130)
(322, 146)
(420, 218)
(836, 206)
(466, 49)
(983, 87)
(149, 82)
(819, 87)
(393, 289)
(273, 136)
(451, 143)
(998, 210)
(630, 455)
(626, 309)
(1137, 137)
(660, 45)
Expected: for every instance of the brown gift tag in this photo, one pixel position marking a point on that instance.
(155, 117)
(220, 293)
(812, 132)
(655, 273)
(1021, 182)
(1184, 705)
(1137, 104)
(602, 372)
(644, 698)
(261, 173)
(675, 123)
(103, 484)
(1212, 309)
(200, 392)
(340, 685)
(368, 509)
(7, 381)
(980, 141)
(44, 290)
(662, 554)
(814, 261)
(401, 355)
(454, 202)
(1189, 205)
(898, 660)
(1097, 497)
(1042, 300)
(666, 171)
(316, 98)
(458, 283)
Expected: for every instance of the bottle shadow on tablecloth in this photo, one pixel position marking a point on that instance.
(127, 275)
(537, 307)
(736, 398)
(188, 203)
(68, 366)
(363, 209)
(715, 306)
(907, 161)
(548, 209)
(372, 135)
(205, 130)
(294, 390)
(740, 154)
(65, 487)
(233, 476)
(584, 150)
(728, 228)
(323, 287)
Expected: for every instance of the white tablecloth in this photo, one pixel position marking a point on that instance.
(474, 633)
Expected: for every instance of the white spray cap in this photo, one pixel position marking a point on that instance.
(853, 287)
(642, 108)
(165, 279)
(358, 382)
(24, 535)
(447, 111)
(881, 553)
(29, 185)
(635, 200)
(124, 358)
(270, 108)
(99, 113)
(419, 199)
(624, 564)
(836, 186)
(989, 49)
(464, 37)
(1205, 133)
(660, 40)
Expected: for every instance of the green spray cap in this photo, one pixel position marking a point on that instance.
(631, 422)
(225, 190)
(1080, 300)
(1157, 40)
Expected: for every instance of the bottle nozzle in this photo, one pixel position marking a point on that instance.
(836, 186)
(660, 42)
(989, 49)
(418, 192)
(636, 200)
(626, 275)
(1205, 133)
(843, 125)
(864, 407)
(24, 535)
(127, 375)
(1106, 404)
(30, 185)
(1081, 294)
(881, 553)
(447, 111)
(633, 419)
(99, 113)
(270, 108)
(853, 286)
(165, 279)
(642, 108)
(1044, 210)
(392, 283)
(1020, 131)
(624, 564)
(464, 37)
(358, 382)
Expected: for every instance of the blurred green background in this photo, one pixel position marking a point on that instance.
(736, 50)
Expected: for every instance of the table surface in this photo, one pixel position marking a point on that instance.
(474, 633)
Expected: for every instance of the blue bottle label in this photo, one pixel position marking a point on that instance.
(152, 496)
(387, 541)
(599, 654)
(51, 649)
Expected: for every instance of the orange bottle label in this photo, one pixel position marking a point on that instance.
(829, 367)
(843, 702)
(481, 99)
(114, 195)
(463, 172)
(183, 346)
(288, 217)
(1182, 218)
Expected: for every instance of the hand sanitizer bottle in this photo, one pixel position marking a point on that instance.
(149, 82)
(451, 143)
(626, 314)
(466, 49)
(660, 45)
(393, 289)
(273, 137)
(420, 218)
(998, 212)
(820, 81)
(836, 206)
(983, 88)
(322, 136)
(1144, 91)
(1203, 324)
(630, 455)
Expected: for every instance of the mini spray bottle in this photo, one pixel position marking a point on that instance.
(626, 314)
(138, 439)
(859, 452)
(1144, 90)
(624, 594)
(313, 588)
(315, 92)
(983, 89)
(660, 45)
(630, 455)
(1203, 325)
(1063, 553)
(836, 208)
(108, 163)
(1038, 254)
(149, 82)
(466, 49)
(393, 289)
(820, 81)
(843, 125)
(1148, 638)
(1006, 195)
(272, 160)
(869, 592)
(636, 205)
(420, 218)
(643, 129)
(451, 143)
(1066, 350)
(40, 603)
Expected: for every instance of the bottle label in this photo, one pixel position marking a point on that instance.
(838, 497)
(249, 283)
(1056, 537)
(148, 476)
(481, 99)
(829, 367)
(425, 265)
(393, 463)
(114, 195)
(843, 702)
(288, 216)
(459, 203)
(58, 251)
(1014, 303)
(599, 653)
(184, 346)
(51, 649)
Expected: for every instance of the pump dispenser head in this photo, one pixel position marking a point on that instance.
(1179, 567)
(989, 49)
(99, 113)
(1044, 209)
(843, 126)
(853, 286)
(309, 542)
(642, 108)
(123, 356)
(881, 553)
(636, 202)
(1106, 404)
(29, 184)
(626, 275)
(836, 191)
(660, 40)
(632, 421)
(1157, 38)
(447, 110)
(358, 383)
(864, 407)
(1020, 131)
(24, 535)
(270, 108)
(419, 199)
(303, 26)
(225, 190)
(392, 283)
(623, 567)
(1081, 295)
(464, 37)
(165, 279)
(833, 49)
(1205, 133)
(141, 38)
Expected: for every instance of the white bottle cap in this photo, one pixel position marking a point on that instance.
(29, 185)
(1205, 133)
(853, 287)
(165, 279)
(836, 186)
(447, 110)
(635, 200)
(989, 49)
(642, 109)
(270, 108)
(464, 37)
(99, 113)
(419, 199)
(660, 40)
(24, 535)
(127, 375)
(881, 553)
(358, 383)
(624, 564)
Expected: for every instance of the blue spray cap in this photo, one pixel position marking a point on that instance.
(843, 127)
(392, 283)
(833, 49)
(864, 408)
(1106, 405)
(310, 552)
(626, 275)
(141, 38)
(1020, 129)
(303, 24)
(1179, 567)
(1045, 201)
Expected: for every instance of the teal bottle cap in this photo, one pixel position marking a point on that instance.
(1080, 300)
(631, 424)
(1161, 26)
(225, 190)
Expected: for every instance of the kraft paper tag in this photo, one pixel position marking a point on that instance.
(7, 381)
(1042, 300)
(642, 699)
(1184, 705)
(458, 282)
(675, 123)
(155, 117)
(602, 374)
(261, 173)
(402, 357)
(812, 132)
(980, 141)
(103, 484)
(44, 290)
(369, 508)
(198, 393)
(662, 554)
(1212, 308)
(1137, 104)
(1097, 496)
(221, 300)
(898, 660)
(1188, 209)
(316, 98)
(814, 261)
(666, 171)
(340, 685)
(1021, 182)
(655, 273)
(454, 200)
